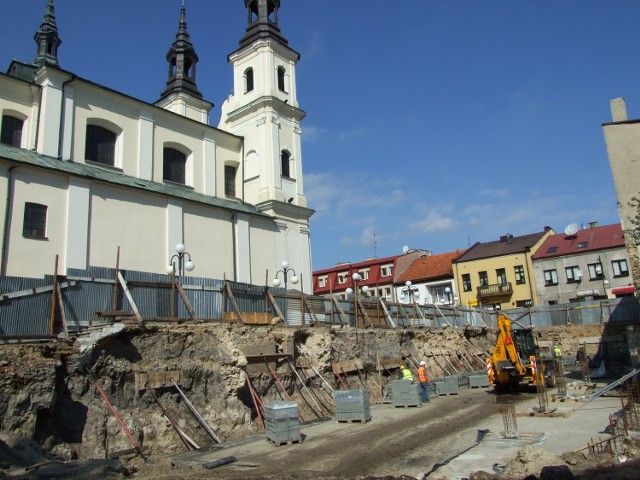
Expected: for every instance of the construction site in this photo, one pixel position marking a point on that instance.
(111, 374)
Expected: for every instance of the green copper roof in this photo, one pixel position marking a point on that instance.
(115, 177)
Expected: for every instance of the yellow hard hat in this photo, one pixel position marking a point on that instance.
(402, 367)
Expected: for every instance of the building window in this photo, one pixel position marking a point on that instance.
(11, 131)
(519, 273)
(35, 220)
(281, 73)
(230, 180)
(573, 274)
(484, 279)
(552, 249)
(550, 278)
(342, 278)
(284, 163)
(322, 281)
(466, 282)
(620, 268)
(173, 166)
(364, 273)
(386, 271)
(583, 244)
(248, 80)
(501, 274)
(100, 146)
(524, 303)
(595, 271)
(387, 293)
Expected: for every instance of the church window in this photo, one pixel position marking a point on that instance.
(100, 145)
(230, 180)
(11, 130)
(281, 73)
(248, 79)
(285, 158)
(35, 220)
(173, 166)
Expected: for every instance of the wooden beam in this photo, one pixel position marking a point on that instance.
(186, 301)
(275, 306)
(236, 310)
(35, 291)
(63, 317)
(123, 283)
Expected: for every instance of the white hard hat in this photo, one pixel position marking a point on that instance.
(422, 362)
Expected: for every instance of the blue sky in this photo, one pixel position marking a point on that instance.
(432, 124)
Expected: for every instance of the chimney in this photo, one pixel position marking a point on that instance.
(592, 224)
(619, 110)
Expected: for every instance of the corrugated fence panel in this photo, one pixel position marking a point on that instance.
(26, 315)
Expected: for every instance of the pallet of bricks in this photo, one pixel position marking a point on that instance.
(405, 393)
(479, 380)
(282, 423)
(447, 386)
(352, 406)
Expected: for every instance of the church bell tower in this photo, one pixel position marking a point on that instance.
(264, 110)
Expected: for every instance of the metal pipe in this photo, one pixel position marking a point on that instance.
(8, 206)
(195, 413)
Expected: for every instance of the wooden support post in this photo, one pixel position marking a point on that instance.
(63, 317)
(275, 306)
(130, 298)
(236, 310)
(114, 303)
(183, 295)
(195, 413)
(54, 292)
(170, 418)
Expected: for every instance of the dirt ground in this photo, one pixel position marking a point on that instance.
(54, 423)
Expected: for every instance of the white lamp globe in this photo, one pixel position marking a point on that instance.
(276, 282)
(189, 266)
(170, 269)
(447, 290)
(284, 264)
(349, 291)
(408, 283)
(356, 277)
(294, 279)
(365, 289)
(416, 293)
(180, 248)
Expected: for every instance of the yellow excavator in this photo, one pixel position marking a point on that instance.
(516, 358)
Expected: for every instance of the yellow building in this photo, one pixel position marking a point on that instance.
(499, 274)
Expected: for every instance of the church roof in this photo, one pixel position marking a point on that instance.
(82, 170)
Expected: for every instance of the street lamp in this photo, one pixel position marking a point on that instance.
(356, 277)
(600, 271)
(410, 290)
(182, 265)
(285, 272)
(447, 291)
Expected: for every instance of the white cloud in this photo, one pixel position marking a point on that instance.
(434, 221)
(312, 134)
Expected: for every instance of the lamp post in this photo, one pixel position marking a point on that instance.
(356, 277)
(180, 255)
(600, 271)
(285, 273)
(410, 290)
(171, 270)
(447, 291)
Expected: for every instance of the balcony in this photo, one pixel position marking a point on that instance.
(495, 290)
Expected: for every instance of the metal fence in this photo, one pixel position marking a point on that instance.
(27, 307)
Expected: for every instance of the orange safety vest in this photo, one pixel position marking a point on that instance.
(422, 374)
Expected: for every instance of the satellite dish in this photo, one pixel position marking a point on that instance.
(405, 249)
(572, 229)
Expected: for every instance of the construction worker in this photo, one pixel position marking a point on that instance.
(423, 378)
(557, 352)
(406, 373)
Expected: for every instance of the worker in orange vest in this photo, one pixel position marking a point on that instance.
(423, 378)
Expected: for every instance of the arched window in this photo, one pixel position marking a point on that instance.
(285, 158)
(248, 80)
(281, 73)
(173, 165)
(11, 130)
(100, 145)
(230, 172)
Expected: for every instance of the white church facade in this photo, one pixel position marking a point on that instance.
(86, 171)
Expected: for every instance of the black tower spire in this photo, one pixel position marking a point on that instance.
(47, 39)
(182, 60)
(262, 21)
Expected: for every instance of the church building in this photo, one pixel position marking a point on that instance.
(86, 171)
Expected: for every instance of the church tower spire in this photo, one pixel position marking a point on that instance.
(181, 94)
(47, 39)
(262, 18)
(182, 60)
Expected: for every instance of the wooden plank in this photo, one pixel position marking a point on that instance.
(343, 315)
(364, 312)
(63, 317)
(35, 291)
(130, 298)
(160, 379)
(386, 312)
(275, 306)
(234, 305)
(348, 366)
(389, 363)
(186, 301)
